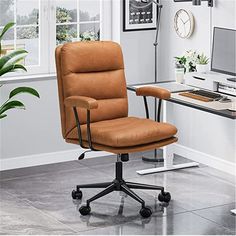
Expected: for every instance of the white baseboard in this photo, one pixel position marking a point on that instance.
(206, 159)
(71, 155)
(45, 158)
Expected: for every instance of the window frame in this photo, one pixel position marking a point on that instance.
(47, 35)
(42, 66)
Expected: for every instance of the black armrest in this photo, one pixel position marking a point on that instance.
(83, 103)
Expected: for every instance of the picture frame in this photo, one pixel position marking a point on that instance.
(139, 16)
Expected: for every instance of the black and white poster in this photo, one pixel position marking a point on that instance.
(139, 15)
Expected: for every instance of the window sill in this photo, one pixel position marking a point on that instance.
(27, 78)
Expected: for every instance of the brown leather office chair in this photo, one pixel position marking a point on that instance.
(94, 113)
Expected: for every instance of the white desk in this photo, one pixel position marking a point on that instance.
(217, 108)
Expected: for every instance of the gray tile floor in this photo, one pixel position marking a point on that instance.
(38, 200)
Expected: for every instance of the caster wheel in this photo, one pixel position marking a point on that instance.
(164, 197)
(85, 210)
(76, 194)
(145, 212)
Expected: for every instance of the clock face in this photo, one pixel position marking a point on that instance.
(184, 23)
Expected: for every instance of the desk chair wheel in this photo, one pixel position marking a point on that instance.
(84, 210)
(164, 197)
(145, 212)
(76, 194)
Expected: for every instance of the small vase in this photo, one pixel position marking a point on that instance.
(179, 75)
(201, 68)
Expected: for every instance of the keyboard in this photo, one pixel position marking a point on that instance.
(207, 94)
(202, 95)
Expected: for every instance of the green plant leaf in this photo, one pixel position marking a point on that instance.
(2, 116)
(11, 68)
(11, 105)
(24, 90)
(12, 58)
(202, 59)
(6, 28)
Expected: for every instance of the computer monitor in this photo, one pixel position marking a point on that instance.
(224, 51)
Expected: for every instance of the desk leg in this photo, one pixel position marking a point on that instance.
(233, 211)
(168, 155)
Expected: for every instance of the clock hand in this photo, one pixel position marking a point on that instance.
(181, 20)
(186, 21)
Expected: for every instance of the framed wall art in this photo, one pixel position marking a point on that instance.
(138, 15)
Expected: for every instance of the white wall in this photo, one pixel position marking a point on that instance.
(224, 14)
(171, 45)
(138, 51)
(37, 129)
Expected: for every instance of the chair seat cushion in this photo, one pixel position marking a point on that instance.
(126, 132)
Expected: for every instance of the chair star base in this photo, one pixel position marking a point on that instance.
(118, 184)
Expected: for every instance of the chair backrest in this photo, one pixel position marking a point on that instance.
(92, 69)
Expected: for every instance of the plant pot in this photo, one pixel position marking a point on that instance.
(202, 68)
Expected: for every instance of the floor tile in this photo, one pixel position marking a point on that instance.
(221, 215)
(51, 193)
(178, 224)
(219, 174)
(50, 185)
(18, 217)
(111, 210)
(47, 191)
(191, 188)
(38, 170)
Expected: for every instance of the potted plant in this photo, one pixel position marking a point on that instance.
(188, 60)
(10, 63)
(184, 64)
(202, 63)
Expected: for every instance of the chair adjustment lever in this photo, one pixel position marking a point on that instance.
(82, 155)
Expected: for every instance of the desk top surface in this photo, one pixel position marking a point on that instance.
(175, 88)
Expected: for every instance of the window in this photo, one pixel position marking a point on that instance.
(77, 20)
(41, 25)
(25, 34)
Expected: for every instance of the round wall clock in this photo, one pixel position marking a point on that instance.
(184, 23)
